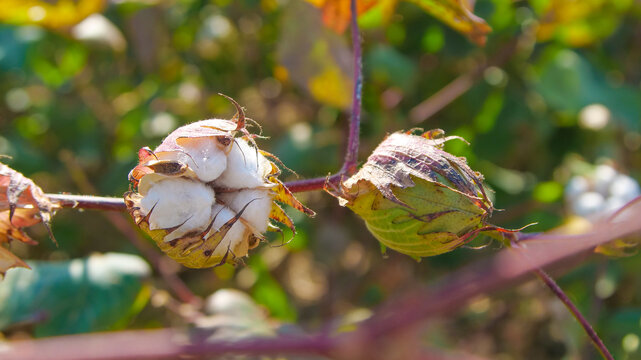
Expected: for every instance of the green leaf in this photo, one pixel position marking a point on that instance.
(75, 296)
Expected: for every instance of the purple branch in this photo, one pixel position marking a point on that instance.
(351, 156)
(173, 344)
(598, 343)
(88, 202)
(449, 295)
(312, 184)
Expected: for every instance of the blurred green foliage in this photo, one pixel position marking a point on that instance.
(76, 105)
(100, 292)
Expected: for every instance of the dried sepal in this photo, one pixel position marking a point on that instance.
(22, 204)
(283, 195)
(207, 193)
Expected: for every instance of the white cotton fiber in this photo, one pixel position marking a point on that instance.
(246, 167)
(205, 158)
(177, 201)
(257, 212)
(234, 236)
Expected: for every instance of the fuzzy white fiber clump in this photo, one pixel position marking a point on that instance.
(207, 194)
(246, 167)
(178, 202)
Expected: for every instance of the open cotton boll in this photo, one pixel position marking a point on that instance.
(178, 201)
(206, 193)
(246, 167)
(236, 235)
(259, 204)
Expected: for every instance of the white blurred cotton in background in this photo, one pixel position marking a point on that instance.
(600, 193)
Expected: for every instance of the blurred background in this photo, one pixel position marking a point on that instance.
(551, 106)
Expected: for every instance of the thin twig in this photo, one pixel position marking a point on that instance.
(88, 202)
(312, 184)
(351, 155)
(596, 341)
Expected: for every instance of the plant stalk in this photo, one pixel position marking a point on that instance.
(556, 289)
(351, 155)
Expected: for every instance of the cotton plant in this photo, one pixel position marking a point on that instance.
(207, 193)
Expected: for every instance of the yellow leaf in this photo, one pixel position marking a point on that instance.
(331, 87)
(51, 14)
(337, 13)
(458, 15)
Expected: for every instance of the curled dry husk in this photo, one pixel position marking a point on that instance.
(416, 198)
(207, 194)
(22, 204)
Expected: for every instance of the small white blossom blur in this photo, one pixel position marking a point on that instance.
(600, 193)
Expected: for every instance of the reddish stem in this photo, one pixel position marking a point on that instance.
(596, 341)
(312, 184)
(351, 156)
(88, 202)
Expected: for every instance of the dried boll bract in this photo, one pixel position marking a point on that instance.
(207, 194)
(416, 198)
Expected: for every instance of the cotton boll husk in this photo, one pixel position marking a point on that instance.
(178, 201)
(259, 204)
(246, 167)
(236, 235)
